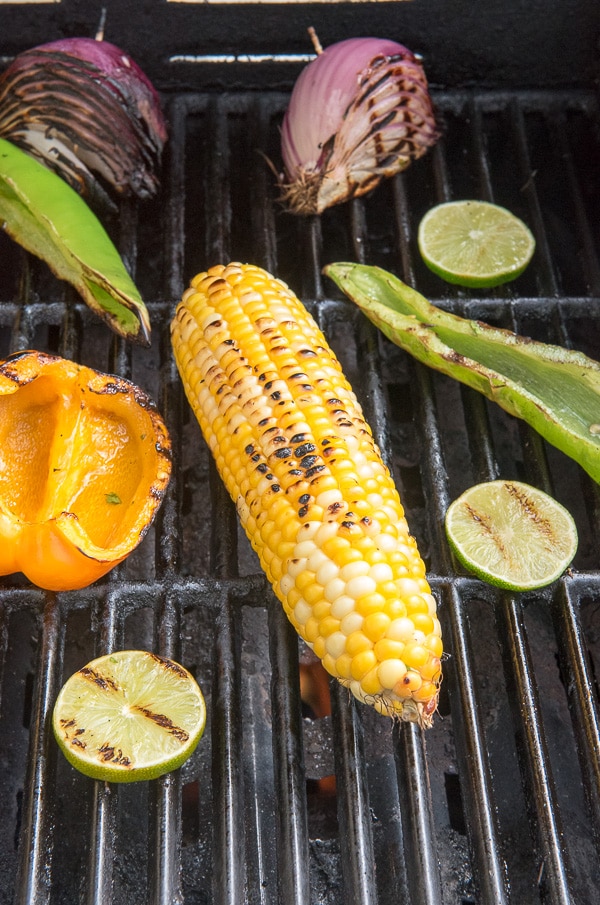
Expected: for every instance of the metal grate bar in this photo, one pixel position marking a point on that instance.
(105, 798)
(353, 802)
(546, 823)
(288, 759)
(580, 684)
(418, 824)
(165, 876)
(34, 878)
(101, 852)
(480, 805)
(229, 862)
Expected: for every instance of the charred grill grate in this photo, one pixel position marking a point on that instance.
(500, 802)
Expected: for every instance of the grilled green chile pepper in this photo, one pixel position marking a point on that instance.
(49, 219)
(555, 390)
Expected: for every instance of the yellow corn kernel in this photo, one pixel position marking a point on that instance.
(318, 504)
(431, 669)
(434, 644)
(415, 655)
(375, 625)
(370, 683)
(422, 622)
(388, 650)
(357, 642)
(362, 663)
(328, 626)
(319, 647)
(343, 666)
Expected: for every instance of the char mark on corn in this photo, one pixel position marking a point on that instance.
(318, 504)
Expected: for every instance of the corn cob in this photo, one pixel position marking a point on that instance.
(316, 501)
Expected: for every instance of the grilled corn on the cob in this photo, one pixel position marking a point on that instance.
(318, 504)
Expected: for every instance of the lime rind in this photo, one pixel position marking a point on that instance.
(474, 243)
(129, 716)
(511, 535)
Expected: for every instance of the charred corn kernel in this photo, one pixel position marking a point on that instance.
(316, 500)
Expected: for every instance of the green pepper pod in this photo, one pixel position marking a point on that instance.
(555, 390)
(49, 219)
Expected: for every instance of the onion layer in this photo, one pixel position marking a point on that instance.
(358, 113)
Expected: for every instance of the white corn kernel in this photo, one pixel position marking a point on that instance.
(352, 622)
(342, 605)
(360, 586)
(334, 589)
(302, 611)
(335, 644)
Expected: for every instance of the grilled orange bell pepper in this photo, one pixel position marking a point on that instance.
(85, 460)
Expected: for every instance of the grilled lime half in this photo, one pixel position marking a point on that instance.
(511, 535)
(129, 715)
(474, 243)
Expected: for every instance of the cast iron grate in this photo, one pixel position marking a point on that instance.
(500, 802)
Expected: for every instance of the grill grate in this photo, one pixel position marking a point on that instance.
(500, 802)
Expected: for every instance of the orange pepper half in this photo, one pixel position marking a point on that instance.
(85, 460)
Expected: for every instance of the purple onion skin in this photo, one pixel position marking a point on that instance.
(116, 69)
(323, 150)
(85, 109)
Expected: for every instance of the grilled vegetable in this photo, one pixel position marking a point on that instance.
(359, 112)
(49, 219)
(555, 390)
(317, 502)
(85, 460)
(86, 110)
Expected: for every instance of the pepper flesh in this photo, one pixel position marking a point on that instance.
(85, 460)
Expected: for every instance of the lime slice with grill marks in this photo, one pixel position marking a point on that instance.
(511, 535)
(474, 243)
(130, 715)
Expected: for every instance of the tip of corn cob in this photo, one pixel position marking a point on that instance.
(318, 504)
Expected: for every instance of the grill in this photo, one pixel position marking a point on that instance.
(296, 793)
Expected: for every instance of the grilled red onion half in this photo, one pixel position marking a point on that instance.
(85, 109)
(359, 112)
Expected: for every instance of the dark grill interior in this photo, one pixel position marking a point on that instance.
(498, 803)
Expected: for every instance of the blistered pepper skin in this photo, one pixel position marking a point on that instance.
(85, 460)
